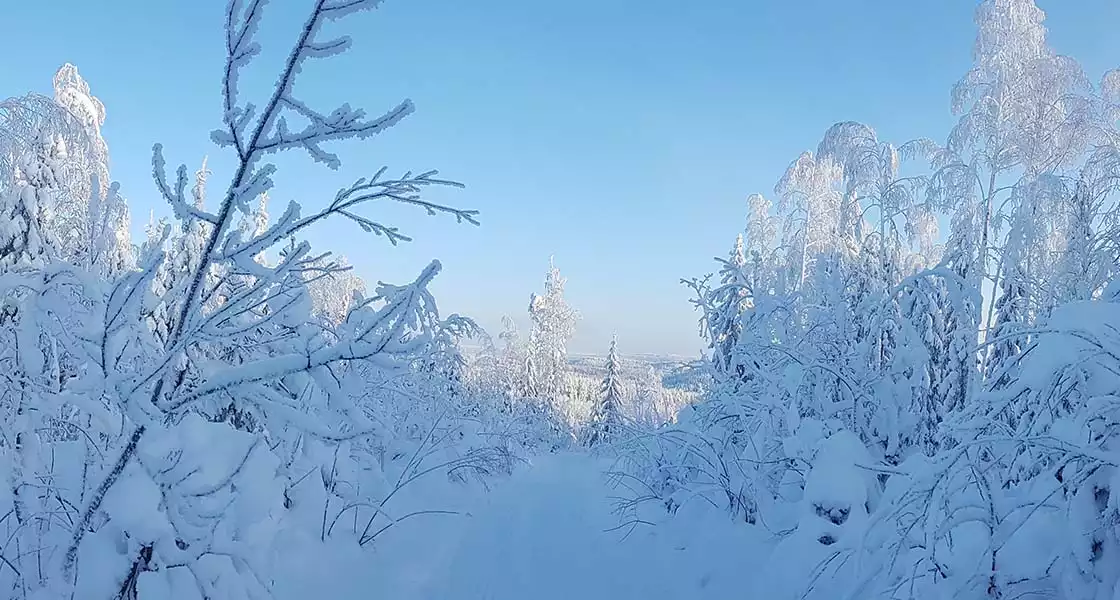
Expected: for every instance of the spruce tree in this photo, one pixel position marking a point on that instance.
(606, 420)
(728, 302)
(185, 255)
(25, 241)
(111, 252)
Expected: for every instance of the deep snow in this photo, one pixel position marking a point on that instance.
(546, 534)
(541, 534)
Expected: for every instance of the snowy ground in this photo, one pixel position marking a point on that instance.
(542, 535)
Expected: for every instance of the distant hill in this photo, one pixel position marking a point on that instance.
(676, 371)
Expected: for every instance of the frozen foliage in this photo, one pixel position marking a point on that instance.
(333, 288)
(899, 434)
(606, 417)
(172, 426)
(88, 220)
(553, 324)
(537, 400)
(887, 408)
(26, 207)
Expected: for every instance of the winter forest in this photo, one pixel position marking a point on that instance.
(909, 388)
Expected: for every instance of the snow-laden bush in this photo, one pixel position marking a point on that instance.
(955, 391)
(168, 431)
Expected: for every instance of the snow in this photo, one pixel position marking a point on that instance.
(550, 532)
(215, 426)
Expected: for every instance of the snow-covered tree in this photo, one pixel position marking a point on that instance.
(110, 251)
(968, 374)
(332, 289)
(553, 324)
(185, 253)
(812, 206)
(728, 302)
(1087, 257)
(26, 208)
(1025, 111)
(91, 226)
(606, 419)
(150, 486)
(90, 220)
(73, 119)
(513, 365)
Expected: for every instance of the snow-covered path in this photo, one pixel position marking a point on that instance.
(539, 535)
(542, 535)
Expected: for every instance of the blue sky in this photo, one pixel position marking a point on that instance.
(620, 136)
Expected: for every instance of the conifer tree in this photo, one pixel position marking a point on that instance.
(185, 256)
(606, 420)
(513, 364)
(110, 253)
(25, 240)
(728, 302)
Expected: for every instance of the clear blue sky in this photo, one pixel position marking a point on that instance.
(621, 136)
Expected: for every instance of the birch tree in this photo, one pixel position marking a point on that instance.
(553, 324)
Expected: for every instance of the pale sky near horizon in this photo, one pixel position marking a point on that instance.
(619, 136)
